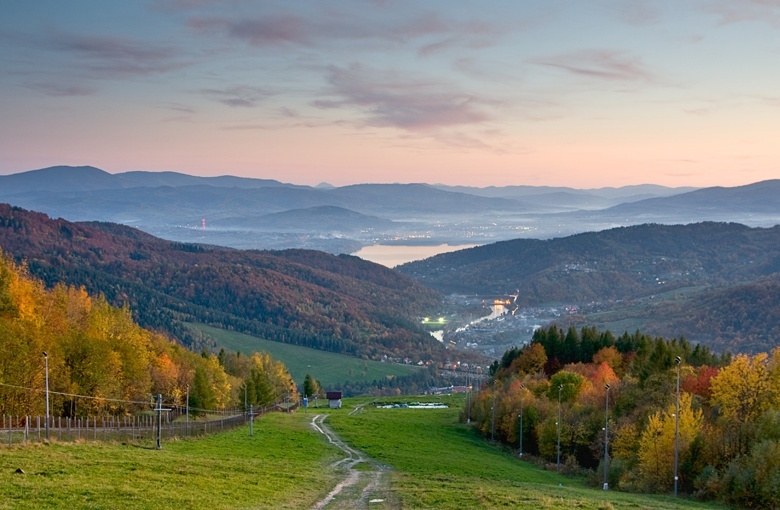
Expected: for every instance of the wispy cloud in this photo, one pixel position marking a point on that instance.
(384, 99)
(636, 12)
(58, 89)
(730, 11)
(600, 64)
(432, 31)
(241, 96)
(110, 56)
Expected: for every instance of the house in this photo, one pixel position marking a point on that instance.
(334, 399)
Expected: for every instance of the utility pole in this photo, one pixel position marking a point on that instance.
(677, 427)
(187, 418)
(493, 419)
(251, 419)
(46, 363)
(558, 423)
(522, 387)
(159, 422)
(468, 396)
(606, 437)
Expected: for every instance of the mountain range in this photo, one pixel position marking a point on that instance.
(268, 214)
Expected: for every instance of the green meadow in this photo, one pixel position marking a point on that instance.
(440, 463)
(283, 465)
(327, 367)
(433, 462)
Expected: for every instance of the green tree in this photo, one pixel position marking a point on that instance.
(311, 386)
(570, 385)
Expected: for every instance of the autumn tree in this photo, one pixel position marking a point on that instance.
(657, 442)
(743, 391)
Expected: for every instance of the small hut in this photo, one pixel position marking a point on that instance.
(334, 399)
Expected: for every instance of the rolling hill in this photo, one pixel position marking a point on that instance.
(336, 303)
(714, 283)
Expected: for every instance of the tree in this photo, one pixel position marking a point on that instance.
(571, 384)
(311, 386)
(612, 357)
(530, 361)
(743, 392)
(656, 444)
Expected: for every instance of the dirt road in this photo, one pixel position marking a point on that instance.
(366, 483)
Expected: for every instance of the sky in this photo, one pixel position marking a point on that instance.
(580, 93)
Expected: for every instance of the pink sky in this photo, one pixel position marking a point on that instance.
(586, 94)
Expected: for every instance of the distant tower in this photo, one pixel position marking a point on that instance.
(203, 223)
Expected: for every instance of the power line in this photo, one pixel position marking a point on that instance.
(106, 399)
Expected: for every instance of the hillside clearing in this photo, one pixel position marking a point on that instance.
(328, 368)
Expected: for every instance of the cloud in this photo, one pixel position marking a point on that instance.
(114, 56)
(730, 11)
(239, 96)
(636, 12)
(62, 89)
(331, 26)
(382, 99)
(601, 64)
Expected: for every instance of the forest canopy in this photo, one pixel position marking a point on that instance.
(100, 361)
(569, 386)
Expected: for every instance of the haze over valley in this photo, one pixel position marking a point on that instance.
(250, 213)
(496, 236)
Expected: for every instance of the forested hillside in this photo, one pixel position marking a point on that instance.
(714, 283)
(100, 361)
(621, 263)
(336, 303)
(742, 318)
(569, 386)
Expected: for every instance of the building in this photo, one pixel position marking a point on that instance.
(334, 399)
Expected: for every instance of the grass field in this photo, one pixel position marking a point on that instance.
(327, 367)
(435, 463)
(439, 463)
(283, 465)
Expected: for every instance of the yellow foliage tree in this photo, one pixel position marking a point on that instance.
(743, 392)
(656, 444)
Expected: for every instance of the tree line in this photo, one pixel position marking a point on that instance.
(728, 421)
(101, 362)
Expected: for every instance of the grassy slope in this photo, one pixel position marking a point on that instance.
(282, 466)
(439, 463)
(327, 367)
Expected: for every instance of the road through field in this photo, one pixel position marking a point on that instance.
(365, 484)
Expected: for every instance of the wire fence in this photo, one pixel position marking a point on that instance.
(140, 429)
(151, 426)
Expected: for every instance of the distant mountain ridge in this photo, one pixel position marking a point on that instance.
(88, 178)
(236, 209)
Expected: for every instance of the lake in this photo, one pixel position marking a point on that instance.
(394, 255)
